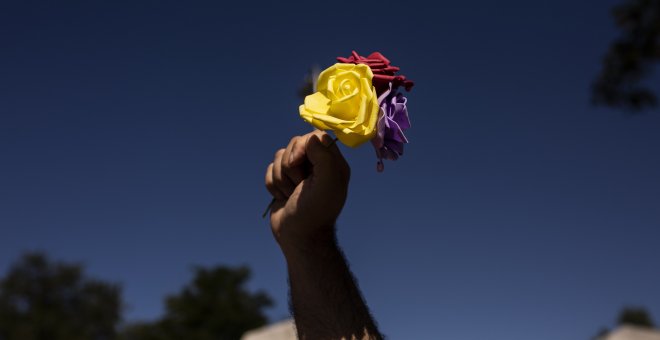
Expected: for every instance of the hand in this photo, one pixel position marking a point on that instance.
(309, 182)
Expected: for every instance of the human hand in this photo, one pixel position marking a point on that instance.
(309, 183)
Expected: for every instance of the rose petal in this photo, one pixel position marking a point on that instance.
(317, 103)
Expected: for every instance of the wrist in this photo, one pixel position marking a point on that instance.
(319, 243)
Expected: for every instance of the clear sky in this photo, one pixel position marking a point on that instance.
(134, 136)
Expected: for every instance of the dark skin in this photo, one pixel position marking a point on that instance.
(309, 182)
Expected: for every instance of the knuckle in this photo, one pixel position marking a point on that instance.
(277, 174)
(277, 156)
(269, 171)
(286, 165)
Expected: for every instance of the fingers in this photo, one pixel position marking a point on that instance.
(299, 151)
(282, 182)
(282, 176)
(288, 167)
(291, 165)
(270, 184)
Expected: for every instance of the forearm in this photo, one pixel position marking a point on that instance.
(325, 300)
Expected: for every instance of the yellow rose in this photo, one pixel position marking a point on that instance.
(346, 102)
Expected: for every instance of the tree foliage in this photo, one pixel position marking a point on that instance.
(40, 299)
(45, 300)
(214, 306)
(635, 316)
(631, 316)
(630, 57)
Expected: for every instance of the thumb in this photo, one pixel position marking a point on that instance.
(327, 162)
(320, 151)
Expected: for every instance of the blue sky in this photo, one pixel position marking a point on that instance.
(134, 137)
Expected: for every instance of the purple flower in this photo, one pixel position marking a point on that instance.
(392, 121)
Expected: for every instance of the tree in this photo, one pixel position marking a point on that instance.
(214, 306)
(630, 58)
(40, 299)
(636, 316)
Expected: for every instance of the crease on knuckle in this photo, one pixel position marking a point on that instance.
(286, 165)
(293, 140)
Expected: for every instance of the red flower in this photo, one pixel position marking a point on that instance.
(384, 73)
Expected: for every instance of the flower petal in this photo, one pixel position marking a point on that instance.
(317, 103)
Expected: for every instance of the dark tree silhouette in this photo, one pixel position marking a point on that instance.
(636, 316)
(44, 300)
(215, 305)
(630, 57)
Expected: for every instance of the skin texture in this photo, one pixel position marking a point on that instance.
(309, 181)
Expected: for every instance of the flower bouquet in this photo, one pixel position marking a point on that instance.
(358, 99)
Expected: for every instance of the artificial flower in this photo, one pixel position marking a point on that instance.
(345, 102)
(392, 121)
(384, 72)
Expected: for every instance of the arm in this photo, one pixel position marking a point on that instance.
(309, 181)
